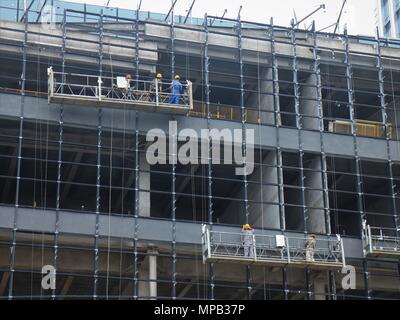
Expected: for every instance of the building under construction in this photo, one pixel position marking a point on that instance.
(77, 192)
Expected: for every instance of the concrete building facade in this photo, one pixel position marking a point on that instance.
(78, 194)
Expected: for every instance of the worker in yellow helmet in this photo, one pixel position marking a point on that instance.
(157, 83)
(248, 241)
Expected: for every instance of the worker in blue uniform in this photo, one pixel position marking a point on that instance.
(176, 90)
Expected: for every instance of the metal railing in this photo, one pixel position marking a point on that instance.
(270, 249)
(378, 242)
(118, 90)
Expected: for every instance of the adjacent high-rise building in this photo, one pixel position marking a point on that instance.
(387, 17)
(143, 156)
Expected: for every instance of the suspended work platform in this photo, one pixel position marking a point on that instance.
(117, 92)
(377, 242)
(271, 250)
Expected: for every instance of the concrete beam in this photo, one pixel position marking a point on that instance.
(151, 230)
(78, 41)
(265, 136)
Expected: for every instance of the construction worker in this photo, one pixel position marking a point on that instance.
(128, 78)
(248, 241)
(157, 83)
(310, 245)
(176, 90)
(128, 91)
(337, 248)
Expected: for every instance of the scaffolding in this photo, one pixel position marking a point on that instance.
(117, 92)
(287, 68)
(377, 243)
(271, 250)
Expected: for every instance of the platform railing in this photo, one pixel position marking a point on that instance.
(92, 88)
(381, 241)
(270, 249)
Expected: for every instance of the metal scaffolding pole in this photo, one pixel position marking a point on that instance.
(209, 154)
(173, 164)
(98, 178)
(101, 38)
(244, 135)
(40, 11)
(97, 225)
(172, 30)
(285, 284)
(20, 138)
(350, 92)
(189, 12)
(309, 289)
(249, 287)
(332, 285)
(59, 163)
(137, 168)
(275, 88)
(18, 8)
(382, 97)
(296, 88)
(317, 73)
(136, 212)
(63, 48)
(173, 214)
(137, 62)
(366, 280)
(243, 116)
(207, 97)
(57, 224)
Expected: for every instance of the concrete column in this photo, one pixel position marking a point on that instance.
(320, 289)
(309, 107)
(262, 215)
(148, 276)
(144, 288)
(315, 198)
(265, 215)
(144, 186)
(264, 100)
(153, 272)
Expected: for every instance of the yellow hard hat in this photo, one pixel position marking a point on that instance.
(159, 76)
(246, 227)
(177, 77)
